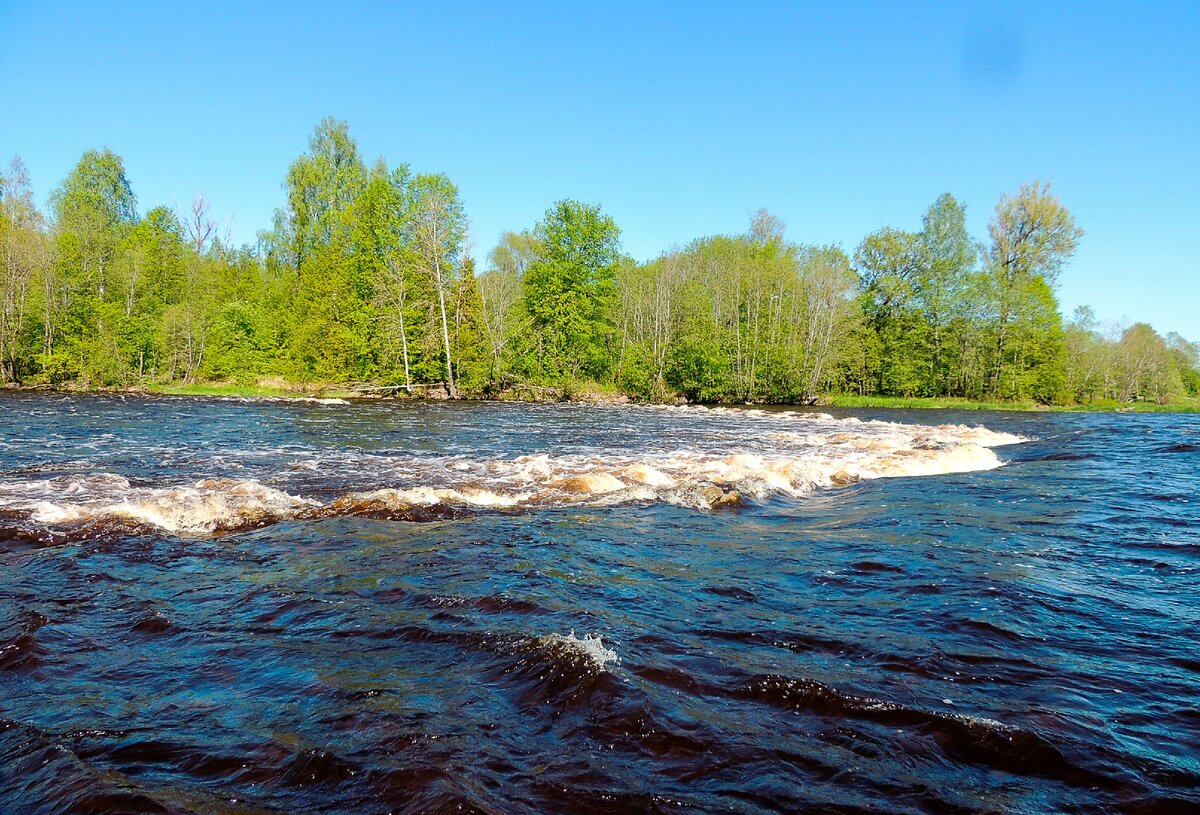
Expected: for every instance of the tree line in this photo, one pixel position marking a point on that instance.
(367, 276)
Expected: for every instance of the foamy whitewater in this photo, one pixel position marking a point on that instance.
(589, 648)
(702, 458)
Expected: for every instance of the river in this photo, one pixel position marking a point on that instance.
(267, 606)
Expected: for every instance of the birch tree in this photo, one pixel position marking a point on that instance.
(22, 253)
(1033, 236)
(501, 294)
(438, 230)
(827, 282)
(947, 260)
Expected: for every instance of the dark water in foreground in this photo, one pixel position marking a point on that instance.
(226, 607)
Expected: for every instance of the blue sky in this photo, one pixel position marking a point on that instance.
(679, 119)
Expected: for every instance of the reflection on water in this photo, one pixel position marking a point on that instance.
(970, 638)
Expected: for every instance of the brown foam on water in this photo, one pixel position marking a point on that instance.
(210, 505)
(769, 455)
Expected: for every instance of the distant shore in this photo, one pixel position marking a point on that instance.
(281, 389)
(954, 403)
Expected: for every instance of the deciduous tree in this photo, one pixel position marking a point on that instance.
(570, 285)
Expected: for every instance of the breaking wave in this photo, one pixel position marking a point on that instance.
(276, 400)
(587, 651)
(557, 669)
(762, 456)
(211, 505)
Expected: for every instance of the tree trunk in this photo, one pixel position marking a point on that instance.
(450, 389)
(404, 349)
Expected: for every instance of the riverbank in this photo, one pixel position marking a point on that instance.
(283, 389)
(1187, 405)
(277, 388)
(279, 391)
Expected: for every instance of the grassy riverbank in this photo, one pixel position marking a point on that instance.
(596, 394)
(280, 388)
(1186, 405)
(283, 389)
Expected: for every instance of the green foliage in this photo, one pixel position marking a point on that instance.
(330, 325)
(438, 230)
(1185, 357)
(736, 318)
(322, 186)
(23, 249)
(366, 276)
(570, 286)
(916, 286)
(472, 360)
(96, 194)
(240, 343)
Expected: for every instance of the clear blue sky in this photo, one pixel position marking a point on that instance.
(678, 118)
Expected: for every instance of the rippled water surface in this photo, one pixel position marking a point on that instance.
(222, 606)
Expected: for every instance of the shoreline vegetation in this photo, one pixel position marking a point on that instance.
(590, 394)
(366, 285)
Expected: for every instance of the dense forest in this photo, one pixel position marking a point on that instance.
(366, 276)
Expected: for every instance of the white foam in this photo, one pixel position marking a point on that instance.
(645, 474)
(590, 647)
(268, 400)
(204, 507)
(702, 458)
(429, 496)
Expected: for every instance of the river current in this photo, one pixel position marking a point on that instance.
(254, 606)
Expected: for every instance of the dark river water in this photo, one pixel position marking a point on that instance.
(229, 606)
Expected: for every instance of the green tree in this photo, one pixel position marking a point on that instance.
(1087, 357)
(94, 209)
(470, 341)
(150, 277)
(1147, 371)
(827, 281)
(570, 286)
(1187, 361)
(439, 227)
(23, 255)
(322, 186)
(330, 316)
(385, 258)
(514, 254)
(1033, 236)
(502, 299)
(652, 312)
(942, 280)
(891, 265)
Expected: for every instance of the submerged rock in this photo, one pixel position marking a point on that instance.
(844, 479)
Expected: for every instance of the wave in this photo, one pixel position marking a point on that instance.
(43, 774)
(1181, 447)
(587, 651)
(19, 649)
(311, 400)
(208, 506)
(969, 739)
(555, 669)
(795, 454)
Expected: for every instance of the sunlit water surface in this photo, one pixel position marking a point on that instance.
(224, 606)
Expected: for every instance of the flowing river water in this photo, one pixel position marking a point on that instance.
(256, 606)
